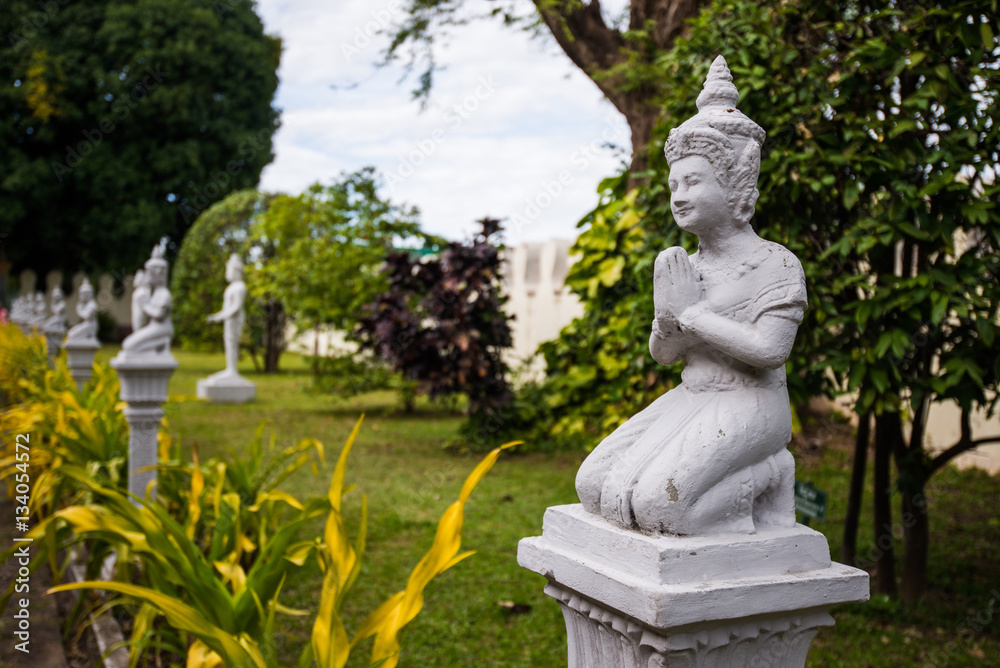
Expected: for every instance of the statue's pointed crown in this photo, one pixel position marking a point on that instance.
(156, 258)
(718, 125)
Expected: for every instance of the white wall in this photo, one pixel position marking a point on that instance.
(534, 277)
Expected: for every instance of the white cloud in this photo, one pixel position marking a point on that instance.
(507, 115)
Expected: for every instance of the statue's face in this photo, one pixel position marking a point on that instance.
(156, 276)
(699, 203)
(233, 273)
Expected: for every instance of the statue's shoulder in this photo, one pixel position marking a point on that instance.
(776, 257)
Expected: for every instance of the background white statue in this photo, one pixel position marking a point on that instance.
(38, 311)
(56, 323)
(153, 300)
(709, 456)
(231, 314)
(19, 310)
(86, 309)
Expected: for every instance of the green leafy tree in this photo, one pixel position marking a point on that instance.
(330, 243)
(123, 121)
(881, 159)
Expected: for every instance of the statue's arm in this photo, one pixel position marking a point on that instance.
(232, 303)
(158, 306)
(87, 310)
(764, 344)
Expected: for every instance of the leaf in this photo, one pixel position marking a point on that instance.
(184, 618)
(392, 616)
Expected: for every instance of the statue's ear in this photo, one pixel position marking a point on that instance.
(744, 182)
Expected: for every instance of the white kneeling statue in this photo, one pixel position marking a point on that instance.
(81, 340)
(86, 310)
(684, 547)
(227, 385)
(151, 296)
(709, 455)
(144, 368)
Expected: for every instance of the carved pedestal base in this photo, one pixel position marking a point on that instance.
(228, 389)
(80, 360)
(144, 380)
(637, 601)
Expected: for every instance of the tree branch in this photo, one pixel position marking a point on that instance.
(581, 33)
(964, 444)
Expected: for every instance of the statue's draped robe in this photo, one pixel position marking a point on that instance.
(699, 457)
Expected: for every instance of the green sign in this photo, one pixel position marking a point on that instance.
(809, 501)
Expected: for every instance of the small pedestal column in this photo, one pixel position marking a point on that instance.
(80, 359)
(53, 342)
(144, 380)
(636, 601)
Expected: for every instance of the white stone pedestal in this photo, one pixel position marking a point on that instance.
(631, 600)
(53, 342)
(144, 379)
(80, 359)
(226, 388)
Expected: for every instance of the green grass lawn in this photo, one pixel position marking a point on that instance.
(409, 480)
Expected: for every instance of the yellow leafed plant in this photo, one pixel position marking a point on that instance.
(341, 562)
(229, 613)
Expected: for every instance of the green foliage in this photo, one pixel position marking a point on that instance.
(441, 325)
(66, 427)
(208, 594)
(311, 259)
(349, 374)
(124, 120)
(23, 361)
(208, 557)
(331, 242)
(880, 138)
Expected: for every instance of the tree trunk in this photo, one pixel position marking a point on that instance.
(885, 581)
(916, 540)
(604, 54)
(849, 550)
(274, 335)
(914, 471)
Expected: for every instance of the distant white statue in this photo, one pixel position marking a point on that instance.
(56, 323)
(709, 456)
(86, 309)
(227, 385)
(156, 330)
(19, 311)
(38, 311)
(231, 314)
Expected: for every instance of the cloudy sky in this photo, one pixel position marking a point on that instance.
(512, 128)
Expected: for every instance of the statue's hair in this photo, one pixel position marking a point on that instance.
(706, 142)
